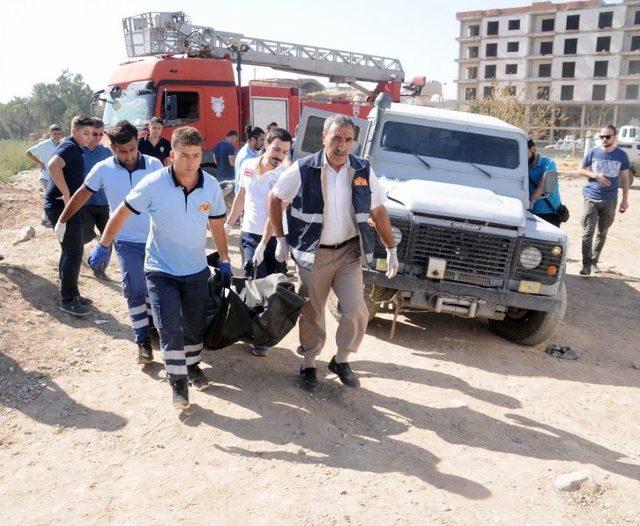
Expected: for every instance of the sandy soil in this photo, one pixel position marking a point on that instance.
(452, 425)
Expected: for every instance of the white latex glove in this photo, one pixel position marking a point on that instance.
(282, 249)
(227, 228)
(59, 230)
(258, 255)
(392, 262)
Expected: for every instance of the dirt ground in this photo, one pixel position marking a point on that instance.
(452, 425)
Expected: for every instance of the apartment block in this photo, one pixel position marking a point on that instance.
(582, 56)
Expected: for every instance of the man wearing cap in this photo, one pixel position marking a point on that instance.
(331, 196)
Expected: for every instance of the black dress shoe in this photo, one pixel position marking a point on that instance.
(344, 372)
(197, 378)
(309, 379)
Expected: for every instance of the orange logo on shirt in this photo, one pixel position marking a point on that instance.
(205, 207)
(360, 181)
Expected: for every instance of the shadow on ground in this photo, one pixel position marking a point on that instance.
(48, 403)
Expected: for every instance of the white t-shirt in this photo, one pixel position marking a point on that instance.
(257, 187)
(44, 151)
(338, 217)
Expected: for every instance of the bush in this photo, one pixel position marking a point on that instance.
(13, 158)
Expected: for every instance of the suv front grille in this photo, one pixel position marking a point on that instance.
(467, 253)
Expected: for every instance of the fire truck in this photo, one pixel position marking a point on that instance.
(184, 74)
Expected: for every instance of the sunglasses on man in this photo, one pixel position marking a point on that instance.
(606, 137)
(96, 134)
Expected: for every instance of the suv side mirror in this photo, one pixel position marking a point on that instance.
(549, 182)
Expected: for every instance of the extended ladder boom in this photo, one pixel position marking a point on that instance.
(172, 33)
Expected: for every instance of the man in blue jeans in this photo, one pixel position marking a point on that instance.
(116, 177)
(258, 177)
(66, 169)
(182, 201)
(607, 168)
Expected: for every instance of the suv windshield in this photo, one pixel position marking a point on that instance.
(451, 145)
(133, 104)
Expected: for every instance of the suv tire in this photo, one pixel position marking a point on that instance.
(530, 327)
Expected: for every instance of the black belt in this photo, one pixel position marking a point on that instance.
(339, 245)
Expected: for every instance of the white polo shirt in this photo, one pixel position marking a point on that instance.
(256, 187)
(338, 217)
(44, 151)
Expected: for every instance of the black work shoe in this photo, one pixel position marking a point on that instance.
(344, 372)
(585, 270)
(75, 308)
(180, 394)
(145, 354)
(85, 301)
(309, 379)
(196, 377)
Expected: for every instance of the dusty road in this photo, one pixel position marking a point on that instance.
(452, 425)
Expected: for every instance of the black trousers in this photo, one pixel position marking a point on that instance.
(71, 252)
(93, 216)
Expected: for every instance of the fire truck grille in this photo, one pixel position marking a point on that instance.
(470, 255)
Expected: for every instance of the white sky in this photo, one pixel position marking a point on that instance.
(38, 39)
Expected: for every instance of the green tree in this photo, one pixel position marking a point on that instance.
(49, 103)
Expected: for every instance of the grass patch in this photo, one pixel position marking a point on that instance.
(13, 158)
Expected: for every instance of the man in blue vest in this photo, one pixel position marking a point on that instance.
(331, 196)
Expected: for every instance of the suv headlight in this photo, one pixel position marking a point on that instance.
(530, 257)
(397, 235)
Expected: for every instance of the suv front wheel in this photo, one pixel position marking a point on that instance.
(531, 327)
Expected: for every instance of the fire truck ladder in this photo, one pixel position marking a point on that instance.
(173, 34)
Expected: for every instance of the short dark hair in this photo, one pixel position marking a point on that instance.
(253, 133)
(530, 143)
(339, 120)
(155, 120)
(273, 124)
(98, 123)
(279, 133)
(612, 128)
(232, 133)
(80, 121)
(186, 136)
(54, 127)
(122, 133)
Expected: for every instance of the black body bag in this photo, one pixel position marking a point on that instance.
(259, 311)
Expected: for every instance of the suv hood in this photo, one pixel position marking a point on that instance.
(453, 200)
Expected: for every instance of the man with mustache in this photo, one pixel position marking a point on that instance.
(257, 178)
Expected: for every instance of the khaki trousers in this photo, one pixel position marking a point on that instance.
(341, 271)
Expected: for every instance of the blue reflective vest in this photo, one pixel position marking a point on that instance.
(304, 215)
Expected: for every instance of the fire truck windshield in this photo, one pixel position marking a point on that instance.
(131, 104)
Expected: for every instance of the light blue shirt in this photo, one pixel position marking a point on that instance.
(179, 219)
(44, 151)
(91, 158)
(116, 181)
(244, 154)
